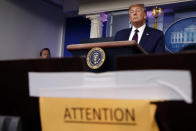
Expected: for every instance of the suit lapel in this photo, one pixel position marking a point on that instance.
(145, 37)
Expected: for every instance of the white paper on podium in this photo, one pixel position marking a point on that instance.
(142, 84)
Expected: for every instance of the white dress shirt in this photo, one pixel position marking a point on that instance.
(141, 30)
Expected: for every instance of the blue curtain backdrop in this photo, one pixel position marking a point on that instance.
(78, 28)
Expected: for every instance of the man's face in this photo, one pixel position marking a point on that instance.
(45, 54)
(137, 15)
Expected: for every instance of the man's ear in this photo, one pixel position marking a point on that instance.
(145, 16)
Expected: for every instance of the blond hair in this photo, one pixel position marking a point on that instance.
(138, 5)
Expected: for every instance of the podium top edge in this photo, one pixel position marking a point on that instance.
(112, 44)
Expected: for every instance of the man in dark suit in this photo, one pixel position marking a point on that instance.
(152, 40)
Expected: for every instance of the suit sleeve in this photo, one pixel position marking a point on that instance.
(160, 45)
(122, 35)
(117, 37)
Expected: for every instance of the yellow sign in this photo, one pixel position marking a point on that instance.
(63, 114)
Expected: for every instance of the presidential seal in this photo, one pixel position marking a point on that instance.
(95, 58)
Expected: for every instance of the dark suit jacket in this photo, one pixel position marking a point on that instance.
(152, 40)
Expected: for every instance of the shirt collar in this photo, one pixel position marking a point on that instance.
(141, 29)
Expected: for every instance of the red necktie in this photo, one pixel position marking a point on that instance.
(135, 36)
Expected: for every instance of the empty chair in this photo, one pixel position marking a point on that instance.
(14, 124)
(2, 123)
(10, 123)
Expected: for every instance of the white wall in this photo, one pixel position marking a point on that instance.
(97, 6)
(26, 26)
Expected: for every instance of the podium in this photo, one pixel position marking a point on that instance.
(112, 51)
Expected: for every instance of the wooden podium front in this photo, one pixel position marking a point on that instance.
(112, 50)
